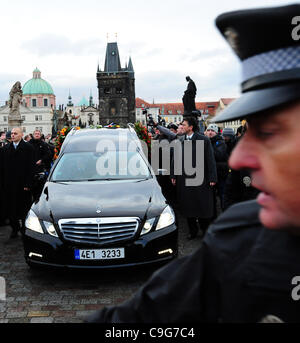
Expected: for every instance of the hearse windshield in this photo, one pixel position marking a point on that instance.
(95, 166)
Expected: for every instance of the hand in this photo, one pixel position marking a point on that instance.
(39, 162)
(212, 184)
(26, 189)
(173, 182)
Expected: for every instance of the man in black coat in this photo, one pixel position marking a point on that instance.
(247, 269)
(42, 158)
(195, 199)
(42, 153)
(2, 198)
(17, 165)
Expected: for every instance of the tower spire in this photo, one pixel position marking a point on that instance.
(91, 99)
(70, 99)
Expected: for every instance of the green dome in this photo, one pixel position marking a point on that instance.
(83, 102)
(37, 85)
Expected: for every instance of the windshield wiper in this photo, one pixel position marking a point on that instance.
(146, 178)
(60, 182)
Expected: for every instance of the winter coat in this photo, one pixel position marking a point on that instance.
(242, 272)
(196, 201)
(238, 188)
(221, 156)
(16, 168)
(41, 152)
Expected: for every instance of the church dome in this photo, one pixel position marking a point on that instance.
(37, 85)
(83, 102)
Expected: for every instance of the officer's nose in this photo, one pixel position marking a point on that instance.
(245, 154)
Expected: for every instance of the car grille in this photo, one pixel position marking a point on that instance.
(99, 230)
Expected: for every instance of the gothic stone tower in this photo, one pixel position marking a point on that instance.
(116, 88)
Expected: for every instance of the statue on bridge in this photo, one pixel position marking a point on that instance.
(189, 97)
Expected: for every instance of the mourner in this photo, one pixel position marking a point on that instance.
(8, 137)
(244, 271)
(221, 156)
(16, 176)
(42, 160)
(196, 202)
(238, 186)
(41, 151)
(230, 139)
(2, 139)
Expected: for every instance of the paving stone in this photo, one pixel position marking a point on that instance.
(3, 320)
(38, 314)
(42, 320)
(16, 314)
(40, 296)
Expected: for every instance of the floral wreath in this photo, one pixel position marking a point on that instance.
(144, 135)
(141, 131)
(61, 135)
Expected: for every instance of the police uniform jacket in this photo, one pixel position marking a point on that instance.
(243, 272)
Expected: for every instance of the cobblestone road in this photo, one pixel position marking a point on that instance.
(40, 296)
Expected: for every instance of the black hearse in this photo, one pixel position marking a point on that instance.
(101, 206)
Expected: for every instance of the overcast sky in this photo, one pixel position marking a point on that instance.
(166, 39)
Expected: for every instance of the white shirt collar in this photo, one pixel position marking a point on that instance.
(16, 144)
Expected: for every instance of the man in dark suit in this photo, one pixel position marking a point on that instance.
(196, 201)
(17, 163)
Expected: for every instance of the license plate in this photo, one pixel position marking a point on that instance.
(99, 254)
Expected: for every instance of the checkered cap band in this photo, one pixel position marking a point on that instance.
(270, 62)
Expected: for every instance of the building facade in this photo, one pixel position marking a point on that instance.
(36, 108)
(223, 103)
(116, 89)
(171, 112)
(84, 114)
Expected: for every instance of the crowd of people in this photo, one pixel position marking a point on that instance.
(32, 156)
(247, 267)
(221, 187)
(24, 165)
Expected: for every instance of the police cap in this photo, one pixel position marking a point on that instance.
(267, 41)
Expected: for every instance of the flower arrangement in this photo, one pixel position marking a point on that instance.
(94, 127)
(113, 126)
(144, 135)
(61, 135)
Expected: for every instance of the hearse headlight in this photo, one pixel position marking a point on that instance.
(50, 229)
(167, 218)
(32, 222)
(148, 226)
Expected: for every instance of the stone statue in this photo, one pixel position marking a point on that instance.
(67, 122)
(15, 98)
(91, 121)
(55, 123)
(189, 97)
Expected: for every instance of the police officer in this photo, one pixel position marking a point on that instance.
(246, 269)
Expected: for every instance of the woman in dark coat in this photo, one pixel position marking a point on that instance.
(196, 202)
